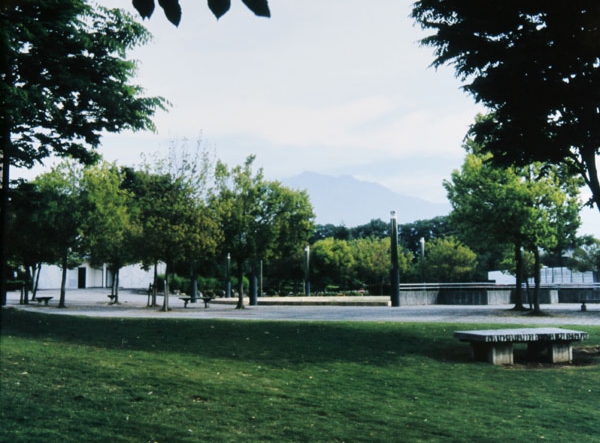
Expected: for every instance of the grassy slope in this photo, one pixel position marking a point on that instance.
(72, 379)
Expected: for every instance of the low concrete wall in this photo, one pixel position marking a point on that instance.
(419, 297)
(454, 296)
(474, 297)
(576, 295)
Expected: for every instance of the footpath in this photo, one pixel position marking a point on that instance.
(134, 303)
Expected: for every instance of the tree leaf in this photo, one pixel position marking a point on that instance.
(219, 7)
(259, 7)
(172, 10)
(144, 7)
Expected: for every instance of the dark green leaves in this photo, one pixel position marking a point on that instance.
(172, 10)
(218, 8)
(144, 7)
(259, 7)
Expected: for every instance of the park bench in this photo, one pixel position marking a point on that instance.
(496, 345)
(583, 303)
(186, 300)
(43, 299)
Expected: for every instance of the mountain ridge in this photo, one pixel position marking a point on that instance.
(345, 200)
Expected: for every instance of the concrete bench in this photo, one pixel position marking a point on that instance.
(43, 299)
(186, 300)
(583, 302)
(496, 345)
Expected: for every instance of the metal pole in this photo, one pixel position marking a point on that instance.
(307, 272)
(228, 286)
(395, 271)
(422, 259)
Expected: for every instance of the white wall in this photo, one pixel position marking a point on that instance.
(132, 276)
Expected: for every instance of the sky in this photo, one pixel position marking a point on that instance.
(339, 87)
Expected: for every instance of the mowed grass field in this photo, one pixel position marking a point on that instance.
(76, 379)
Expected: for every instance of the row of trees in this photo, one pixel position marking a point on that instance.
(184, 212)
(190, 212)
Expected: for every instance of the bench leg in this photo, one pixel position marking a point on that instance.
(561, 352)
(583, 307)
(494, 353)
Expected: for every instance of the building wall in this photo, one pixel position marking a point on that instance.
(84, 276)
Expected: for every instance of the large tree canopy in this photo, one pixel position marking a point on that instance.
(64, 80)
(536, 65)
(172, 9)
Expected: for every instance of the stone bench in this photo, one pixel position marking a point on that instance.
(186, 300)
(496, 345)
(43, 299)
(583, 302)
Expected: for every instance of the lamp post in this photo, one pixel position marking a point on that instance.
(395, 271)
(307, 272)
(228, 287)
(422, 241)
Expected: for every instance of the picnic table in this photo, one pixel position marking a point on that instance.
(496, 345)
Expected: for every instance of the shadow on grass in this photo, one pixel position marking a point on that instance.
(260, 341)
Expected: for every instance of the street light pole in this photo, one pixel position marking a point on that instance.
(307, 272)
(228, 287)
(422, 241)
(395, 271)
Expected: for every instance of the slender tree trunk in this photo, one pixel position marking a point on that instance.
(165, 307)
(240, 303)
(590, 174)
(63, 282)
(28, 278)
(154, 284)
(253, 286)
(6, 152)
(537, 280)
(37, 272)
(519, 278)
(115, 288)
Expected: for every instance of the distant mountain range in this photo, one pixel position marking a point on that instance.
(347, 201)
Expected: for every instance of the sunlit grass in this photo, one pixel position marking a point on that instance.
(75, 379)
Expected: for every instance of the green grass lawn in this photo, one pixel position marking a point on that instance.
(76, 379)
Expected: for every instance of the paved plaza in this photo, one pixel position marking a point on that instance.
(133, 303)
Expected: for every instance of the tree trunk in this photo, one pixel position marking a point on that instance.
(37, 272)
(63, 282)
(253, 286)
(588, 157)
(115, 288)
(165, 307)
(519, 278)
(154, 284)
(240, 303)
(537, 280)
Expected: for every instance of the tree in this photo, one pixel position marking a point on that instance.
(448, 260)
(333, 263)
(26, 233)
(172, 9)
(110, 233)
(372, 261)
(176, 225)
(62, 213)
(260, 219)
(586, 257)
(64, 79)
(536, 66)
(506, 206)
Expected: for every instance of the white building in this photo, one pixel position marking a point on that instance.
(85, 276)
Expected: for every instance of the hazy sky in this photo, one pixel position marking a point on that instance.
(335, 86)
